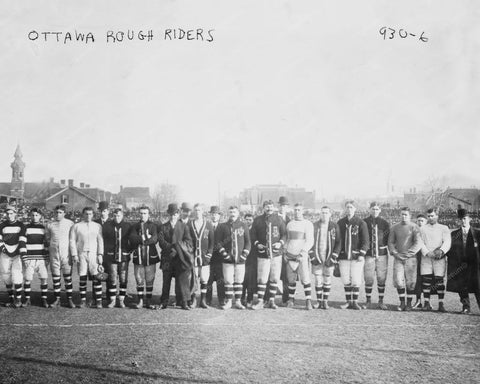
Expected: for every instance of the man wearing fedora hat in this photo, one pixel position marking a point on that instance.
(201, 232)
(183, 259)
(165, 241)
(185, 212)
(12, 248)
(103, 209)
(464, 261)
(216, 270)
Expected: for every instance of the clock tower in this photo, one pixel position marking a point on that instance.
(17, 188)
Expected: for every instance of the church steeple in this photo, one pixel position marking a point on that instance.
(17, 188)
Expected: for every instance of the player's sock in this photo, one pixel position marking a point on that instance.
(291, 291)
(308, 291)
(82, 287)
(123, 290)
(229, 291)
(140, 292)
(273, 290)
(10, 291)
(27, 288)
(381, 292)
(326, 291)
(97, 286)
(368, 292)
(261, 291)
(426, 286)
(18, 292)
(203, 288)
(401, 295)
(348, 293)
(149, 289)
(355, 293)
(112, 291)
(56, 286)
(320, 292)
(67, 279)
(237, 289)
(440, 288)
(44, 290)
(410, 296)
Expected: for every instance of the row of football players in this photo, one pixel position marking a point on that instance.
(244, 257)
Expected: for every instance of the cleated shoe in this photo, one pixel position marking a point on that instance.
(427, 307)
(354, 305)
(441, 308)
(345, 306)
(227, 305)
(417, 305)
(271, 304)
(290, 304)
(238, 305)
(259, 305)
(308, 305)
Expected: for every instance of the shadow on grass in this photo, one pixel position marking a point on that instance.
(409, 352)
(114, 371)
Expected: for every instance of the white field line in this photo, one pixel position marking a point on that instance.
(189, 324)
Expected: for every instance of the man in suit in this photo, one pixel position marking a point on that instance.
(183, 260)
(165, 240)
(463, 274)
(216, 269)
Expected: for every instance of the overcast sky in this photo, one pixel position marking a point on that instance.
(305, 93)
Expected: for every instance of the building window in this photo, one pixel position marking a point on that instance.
(64, 199)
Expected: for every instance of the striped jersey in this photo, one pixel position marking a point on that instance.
(12, 238)
(35, 234)
(299, 237)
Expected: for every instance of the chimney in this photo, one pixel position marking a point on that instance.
(82, 185)
(62, 183)
(87, 185)
(121, 188)
(52, 180)
(70, 182)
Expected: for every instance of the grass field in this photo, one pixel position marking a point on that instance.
(214, 346)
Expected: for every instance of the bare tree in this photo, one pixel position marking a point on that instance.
(163, 195)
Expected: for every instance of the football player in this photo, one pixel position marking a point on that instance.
(36, 258)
